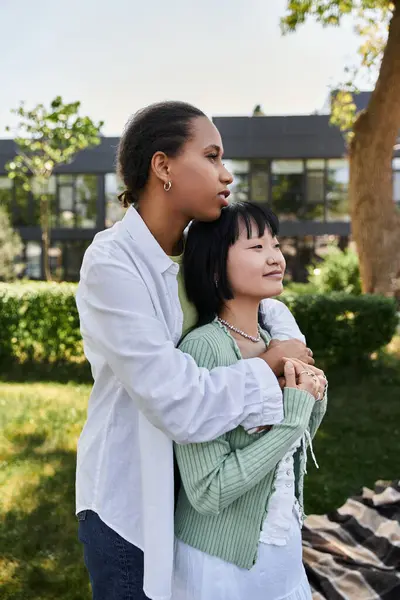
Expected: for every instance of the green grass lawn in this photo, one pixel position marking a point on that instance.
(40, 420)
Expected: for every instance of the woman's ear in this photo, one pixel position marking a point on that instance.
(160, 166)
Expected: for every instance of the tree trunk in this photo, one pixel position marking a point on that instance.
(44, 222)
(375, 217)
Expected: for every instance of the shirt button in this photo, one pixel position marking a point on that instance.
(288, 485)
(287, 459)
(289, 472)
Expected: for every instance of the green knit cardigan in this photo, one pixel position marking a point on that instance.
(227, 483)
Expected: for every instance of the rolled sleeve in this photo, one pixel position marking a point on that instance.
(189, 404)
(270, 396)
(280, 322)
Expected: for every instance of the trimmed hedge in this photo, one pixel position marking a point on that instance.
(39, 322)
(343, 327)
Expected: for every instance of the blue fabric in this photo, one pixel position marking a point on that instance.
(115, 566)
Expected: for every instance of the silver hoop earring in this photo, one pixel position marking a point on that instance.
(168, 186)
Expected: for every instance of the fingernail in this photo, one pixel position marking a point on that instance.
(290, 365)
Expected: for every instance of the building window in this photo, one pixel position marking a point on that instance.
(6, 194)
(315, 190)
(298, 253)
(396, 180)
(22, 210)
(396, 163)
(396, 187)
(303, 251)
(114, 210)
(259, 181)
(66, 259)
(85, 201)
(315, 164)
(66, 206)
(33, 260)
(337, 199)
(15, 200)
(287, 178)
(77, 198)
(50, 191)
(66, 201)
(240, 170)
(72, 201)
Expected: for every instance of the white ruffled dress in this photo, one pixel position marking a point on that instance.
(278, 573)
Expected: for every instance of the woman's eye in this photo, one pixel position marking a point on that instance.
(213, 156)
(277, 246)
(258, 247)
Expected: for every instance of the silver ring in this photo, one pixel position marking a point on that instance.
(310, 374)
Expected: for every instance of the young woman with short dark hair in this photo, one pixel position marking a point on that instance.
(240, 510)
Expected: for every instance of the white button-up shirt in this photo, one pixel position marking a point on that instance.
(147, 393)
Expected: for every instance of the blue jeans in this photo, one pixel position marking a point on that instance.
(115, 566)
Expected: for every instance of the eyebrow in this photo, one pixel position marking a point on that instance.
(215, 147)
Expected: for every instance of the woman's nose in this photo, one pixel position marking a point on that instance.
(227, 176)
(271, 260)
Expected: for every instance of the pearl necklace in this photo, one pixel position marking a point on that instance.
(240, 332)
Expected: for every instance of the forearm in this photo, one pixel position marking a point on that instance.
(183, 400)
(188, 406)
(227, 476)
(120, 323)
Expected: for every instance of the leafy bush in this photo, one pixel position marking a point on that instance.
(338, 272)
(8, 321)
(39, 322)
(298, 288)
(10, 249)
(342, 327)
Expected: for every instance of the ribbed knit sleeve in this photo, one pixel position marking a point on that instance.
(201, 349)
(214, 475)
(318, 413)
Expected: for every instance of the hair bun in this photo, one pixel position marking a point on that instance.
(126, 198)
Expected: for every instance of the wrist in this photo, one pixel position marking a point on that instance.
(274, 363)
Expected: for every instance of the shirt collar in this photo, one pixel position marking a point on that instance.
(139, 232)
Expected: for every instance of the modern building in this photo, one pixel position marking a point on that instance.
(296, 164)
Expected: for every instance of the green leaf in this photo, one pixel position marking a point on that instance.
(371, 22)
(48, 137)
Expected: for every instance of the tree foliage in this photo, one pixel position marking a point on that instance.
(258, 111)
(373, 132)
(371, 23)
(47, 138)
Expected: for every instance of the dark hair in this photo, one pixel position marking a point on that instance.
(206, 255)
(161, 127)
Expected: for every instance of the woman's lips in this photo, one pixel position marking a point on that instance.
(223, 196)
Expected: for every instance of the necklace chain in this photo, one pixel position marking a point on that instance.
(240, 332)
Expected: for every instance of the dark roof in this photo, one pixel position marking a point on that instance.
(308, 136)
(303, 136)
(99, 159)
(361, 100)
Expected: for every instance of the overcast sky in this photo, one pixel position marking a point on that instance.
(116, 56)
